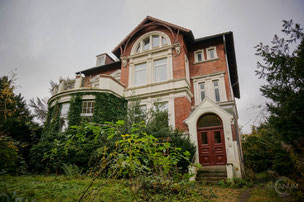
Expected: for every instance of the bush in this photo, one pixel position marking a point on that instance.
(263, 150)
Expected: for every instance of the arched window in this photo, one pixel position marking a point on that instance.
(150, 41)
(209, 120)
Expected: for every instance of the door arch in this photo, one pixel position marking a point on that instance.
(211, 141)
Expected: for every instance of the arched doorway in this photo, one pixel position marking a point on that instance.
(211, 141)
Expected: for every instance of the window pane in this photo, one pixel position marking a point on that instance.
(204, 138)
(211, 53)
(160, 67)
(209, 121)
(202, 86)
(138, 48)
(140, 74)
(155, 41)
(162, 106)
(217, 94)
(217, 137)
(202, 95)
(199, 57)
(164, 41)
(65, 109)
(215, 83)
(146, 43)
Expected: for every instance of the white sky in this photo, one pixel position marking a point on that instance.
(48, 39)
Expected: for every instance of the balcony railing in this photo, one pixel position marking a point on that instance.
(101, 82)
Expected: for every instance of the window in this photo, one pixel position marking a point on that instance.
(202, 91)
(140, 74)
(88, 108)
(216, 90)
(164, 41)
(155, 41)
(211, 53)
(63, 116)
(204, 136)
(100, 60)
(209, 120)
(199, 56)
(160, 70)
(146, 43)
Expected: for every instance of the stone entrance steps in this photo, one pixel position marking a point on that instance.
(211, 174)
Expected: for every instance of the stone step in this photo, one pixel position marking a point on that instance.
(213, 168)
(211, 174)
(210, 179)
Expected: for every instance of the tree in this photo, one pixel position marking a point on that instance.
(40, 108)
(282, 67)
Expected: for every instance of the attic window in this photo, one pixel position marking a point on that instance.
(199, 56)
(100, 60)
(150, 42)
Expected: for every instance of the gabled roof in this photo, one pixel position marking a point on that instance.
(149, 19)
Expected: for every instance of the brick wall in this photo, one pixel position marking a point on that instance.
(182, 108)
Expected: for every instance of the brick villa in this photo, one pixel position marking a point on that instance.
(196, 80)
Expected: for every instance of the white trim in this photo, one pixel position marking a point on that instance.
(208, 106)
(149, 34)
(208, 55)
(209, 89)
(201, 51)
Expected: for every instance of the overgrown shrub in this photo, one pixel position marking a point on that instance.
(263, 151)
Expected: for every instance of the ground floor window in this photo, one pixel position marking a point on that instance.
(87, 108)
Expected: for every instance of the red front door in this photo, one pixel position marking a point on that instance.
(211, 146)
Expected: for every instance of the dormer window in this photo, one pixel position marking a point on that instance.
(100, 60)
(199, 56)
(150, 42)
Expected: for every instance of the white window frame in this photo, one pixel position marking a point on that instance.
(92, 110)
(139, 42)
(218, 88)
(208, 54)
(166, 69)
(201, 51)
(100, 60)
(202, 90)
(209, 89)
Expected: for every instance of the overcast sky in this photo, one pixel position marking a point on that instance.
(44, 40)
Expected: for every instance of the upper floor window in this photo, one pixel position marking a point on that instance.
(100, 60)
(160, 69)
(88, 108)
(140, 74)
(199, 56)
(153, 40)
(211, 53)
(202, 91)
(216, 90)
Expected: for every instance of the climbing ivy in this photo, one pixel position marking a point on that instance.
(109, 108)
(74, 117)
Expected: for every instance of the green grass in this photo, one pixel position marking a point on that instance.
(61, 188)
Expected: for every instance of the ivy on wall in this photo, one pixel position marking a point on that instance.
(74, 117)
(109, 108)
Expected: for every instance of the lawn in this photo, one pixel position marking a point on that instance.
(62, 188)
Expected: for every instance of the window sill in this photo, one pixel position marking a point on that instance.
(86, 115)
(210, 60)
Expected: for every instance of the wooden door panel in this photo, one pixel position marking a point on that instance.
(211, 146)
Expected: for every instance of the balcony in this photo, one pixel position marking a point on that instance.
(100, 83)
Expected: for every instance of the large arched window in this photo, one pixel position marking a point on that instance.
(150, 41)
(209, 120)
